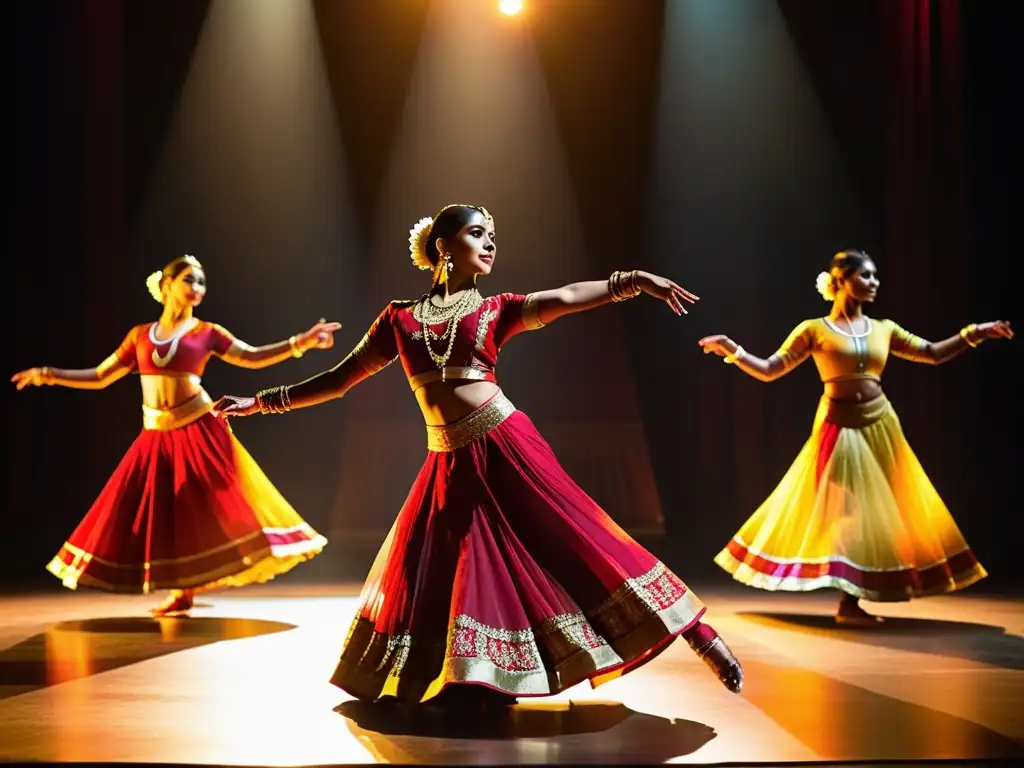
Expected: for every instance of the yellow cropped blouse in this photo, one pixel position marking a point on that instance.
(841, 356)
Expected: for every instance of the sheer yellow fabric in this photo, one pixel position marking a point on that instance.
(274, 514)
(872, 526)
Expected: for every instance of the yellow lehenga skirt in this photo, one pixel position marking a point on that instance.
(854, 512)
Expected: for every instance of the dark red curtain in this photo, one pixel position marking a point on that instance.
(925, 203)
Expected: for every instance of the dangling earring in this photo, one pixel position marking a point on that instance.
(446, 269)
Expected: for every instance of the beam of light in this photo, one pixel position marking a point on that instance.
(510, 7)
(745, 163)
(251, 178)
(478, 127)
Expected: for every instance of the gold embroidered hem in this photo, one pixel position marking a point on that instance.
(630, 627)
(164, 420)
(71, 566)
(477, 424)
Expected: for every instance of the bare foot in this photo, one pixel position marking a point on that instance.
(178, 603)
(850, 614)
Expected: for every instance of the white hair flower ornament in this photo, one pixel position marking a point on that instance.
(418, 245)
(824, 286)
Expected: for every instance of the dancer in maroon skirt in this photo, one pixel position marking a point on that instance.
(187, 508)
(500, 577)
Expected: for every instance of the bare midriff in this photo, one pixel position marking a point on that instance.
(165, 391)
(445, 402)
(854, 390)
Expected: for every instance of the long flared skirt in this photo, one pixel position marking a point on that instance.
(855, 512)
(501, 571)
(187, 508)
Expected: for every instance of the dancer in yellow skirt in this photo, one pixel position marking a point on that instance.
(856, 511)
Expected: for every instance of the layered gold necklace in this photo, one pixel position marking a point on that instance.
(429, 314)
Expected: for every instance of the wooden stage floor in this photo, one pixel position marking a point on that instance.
(88, 677)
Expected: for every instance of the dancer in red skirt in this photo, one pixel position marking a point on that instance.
(500, 577)
(187, 508)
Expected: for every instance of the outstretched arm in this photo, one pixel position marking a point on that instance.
(376, 351)
(793, 352)
(579, 297)
(116, 366)
(907, 346)
(361, 364)
(320, 336)
(100, 377)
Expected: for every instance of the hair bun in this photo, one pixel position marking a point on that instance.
(824, 286)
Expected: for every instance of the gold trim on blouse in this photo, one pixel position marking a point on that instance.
(451, 437)
(466, 373)
(166, 419)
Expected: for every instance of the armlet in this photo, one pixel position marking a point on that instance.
(112, 363)
(238, 348)
(531, 316)
(787, 358)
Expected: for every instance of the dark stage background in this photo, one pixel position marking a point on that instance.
(733, 145)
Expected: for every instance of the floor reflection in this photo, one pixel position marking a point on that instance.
(982, 643)
(72, 650)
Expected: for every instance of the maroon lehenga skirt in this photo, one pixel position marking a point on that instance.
(187, 508)
(501, 571)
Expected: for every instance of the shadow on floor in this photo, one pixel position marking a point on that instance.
(555, 733)
(72, 650)
(982, 643)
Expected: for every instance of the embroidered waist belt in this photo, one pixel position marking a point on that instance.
(165, 419)
(854, 415)
(451, 437)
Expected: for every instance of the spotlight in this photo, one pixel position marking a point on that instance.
(510, 7)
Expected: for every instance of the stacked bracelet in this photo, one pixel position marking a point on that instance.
(622, 286)
(273, 400)
(966, 331)
(293, 342)
(737, 355)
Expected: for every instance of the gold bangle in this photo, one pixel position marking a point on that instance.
(619, 292)
(965, 334)
(273, 400)
(613, 286)
(294, 344)
(46, 374)
(737, 355)
(633, 290)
